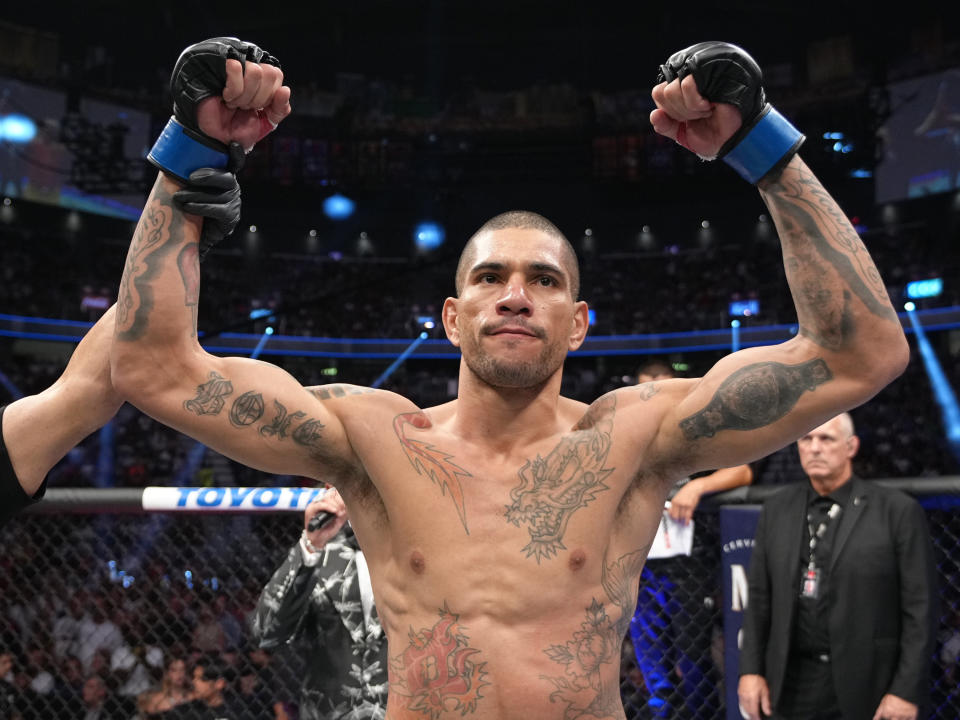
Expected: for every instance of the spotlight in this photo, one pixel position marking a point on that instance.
(429, 236)
(338, 207)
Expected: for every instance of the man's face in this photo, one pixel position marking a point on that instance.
(515, 320)
(826, 452)
(94, 691)
(205, 689)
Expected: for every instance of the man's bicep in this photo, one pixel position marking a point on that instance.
(252, 412)
(756, 401)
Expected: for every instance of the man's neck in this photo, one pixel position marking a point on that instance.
(826, 485)
(505, 417)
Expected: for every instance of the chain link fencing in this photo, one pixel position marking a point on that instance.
(114, 607)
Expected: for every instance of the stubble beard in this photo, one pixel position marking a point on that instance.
(500, 373)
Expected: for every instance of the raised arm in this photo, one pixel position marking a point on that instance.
(40, 429)
(850, 342)
(251, 411)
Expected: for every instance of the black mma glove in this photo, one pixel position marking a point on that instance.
(725, 73)
(200, 72)
(214, 195)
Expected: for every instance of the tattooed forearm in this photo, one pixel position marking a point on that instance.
(826, 262)
(210, 395)
(188, 262)
(158, 232)
(438, 672)
(755, 396)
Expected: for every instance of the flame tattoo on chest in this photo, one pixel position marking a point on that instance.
(568, 478)
(428, 460)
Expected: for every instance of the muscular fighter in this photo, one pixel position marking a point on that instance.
(505, 530)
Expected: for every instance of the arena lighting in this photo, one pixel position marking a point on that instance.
(263, 341)
(17, 129)
(399, 361)
(428, 236)
(744, 308)
(10, 386)
(338, 207)
(260, 313)
(734, 335)
(942, 391)
(924, 288)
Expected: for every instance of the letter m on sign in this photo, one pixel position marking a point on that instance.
(739, 588)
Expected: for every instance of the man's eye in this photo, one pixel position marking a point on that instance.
(488, 279)
(546, 280)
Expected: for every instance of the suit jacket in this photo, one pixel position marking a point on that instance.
(320, 609)
(881, 596)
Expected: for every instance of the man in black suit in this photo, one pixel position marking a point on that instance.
(841, 612)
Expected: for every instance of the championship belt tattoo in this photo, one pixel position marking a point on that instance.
(755, 396)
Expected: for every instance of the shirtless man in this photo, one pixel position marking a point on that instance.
(505, 531)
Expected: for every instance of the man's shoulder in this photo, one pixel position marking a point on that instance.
(340, 393)
(891, 496)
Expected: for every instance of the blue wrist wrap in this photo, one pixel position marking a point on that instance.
(769, 145)
(178, 153)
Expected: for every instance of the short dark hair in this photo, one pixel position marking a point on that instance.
(521, 220)
(213, 667)
(656, 367)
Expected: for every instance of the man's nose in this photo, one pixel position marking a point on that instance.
(514, 299)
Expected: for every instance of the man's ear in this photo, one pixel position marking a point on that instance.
(853, 446)
(579, 326)
(449, 316)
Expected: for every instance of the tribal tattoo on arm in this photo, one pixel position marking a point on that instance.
(572, 474)
(755, 396)
(826, 262)
(159, 231)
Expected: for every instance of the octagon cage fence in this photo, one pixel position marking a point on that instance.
(120, 583)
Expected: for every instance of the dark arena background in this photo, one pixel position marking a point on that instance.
(413, 123)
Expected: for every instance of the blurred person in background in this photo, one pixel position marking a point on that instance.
(175, 689)
(321, 600)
